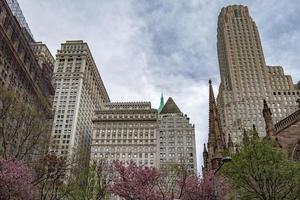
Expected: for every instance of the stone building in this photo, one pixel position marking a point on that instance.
(216, 145)
(176, 138)
(246, 79)
(46, 63)
(126, 131)
(19, 66)
(22, 71)
(286, 133)
(79, 92)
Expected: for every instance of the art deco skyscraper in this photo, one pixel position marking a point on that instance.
(79, 91)
(246, 80)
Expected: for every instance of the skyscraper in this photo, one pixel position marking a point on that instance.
(79, 91)
(19, 69)
(22, 71)
(176, 138)
(246, 80)
(126, 131)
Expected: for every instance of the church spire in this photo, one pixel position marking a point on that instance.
(215, 136)
(162, 103)
(216, 140)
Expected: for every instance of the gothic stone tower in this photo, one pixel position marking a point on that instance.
(216, 146)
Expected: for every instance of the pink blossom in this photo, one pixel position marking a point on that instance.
(15, 180)
(135, 182)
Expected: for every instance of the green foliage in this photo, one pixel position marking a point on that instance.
(259, 171)
(92, 182)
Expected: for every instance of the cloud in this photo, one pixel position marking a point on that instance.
(145, 47)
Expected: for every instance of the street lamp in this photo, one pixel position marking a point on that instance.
(224, 160)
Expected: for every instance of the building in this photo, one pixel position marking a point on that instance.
(79, 91)
(19, 68)
(126, 131)
(46, 63)
(176, 138)
(246, 79)
(17, 12)
(216, 145)
(21, 72)
(286, 133)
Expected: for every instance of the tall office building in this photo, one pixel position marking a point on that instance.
(246, 80)
(176, 138)
(126, 131)
(19, 69)
(79, 91)
(46, 63)
(22, 72)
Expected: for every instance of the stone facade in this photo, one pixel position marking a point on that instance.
(126, 131)
(246, 79)
(22, 71)
(19, 67)
(286, 133)
(176, 138)
(79, 92)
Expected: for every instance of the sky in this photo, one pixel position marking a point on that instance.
(145, 47)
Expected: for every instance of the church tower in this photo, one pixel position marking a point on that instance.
(216, 145)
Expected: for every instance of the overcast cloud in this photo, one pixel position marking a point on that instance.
(143, 47)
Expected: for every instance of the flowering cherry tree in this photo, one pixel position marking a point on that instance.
(208, 187)
(15, 180)
(135, 182)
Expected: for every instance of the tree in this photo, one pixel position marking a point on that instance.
(135, 182)
(143, 183)
(24, 128)
(15, 180)
(259, 171)
(208, 187)
(49, 173)
(173, 177)
(93, 182)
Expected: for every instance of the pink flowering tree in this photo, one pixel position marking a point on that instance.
(134, 182)
(15, 180)
(208, 187)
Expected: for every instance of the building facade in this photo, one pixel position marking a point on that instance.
(46, 63)
(284, 134)
(19, 68)
(22, 73)
(126, 131)
(176, 138)
(79, 91)
(246, 79)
